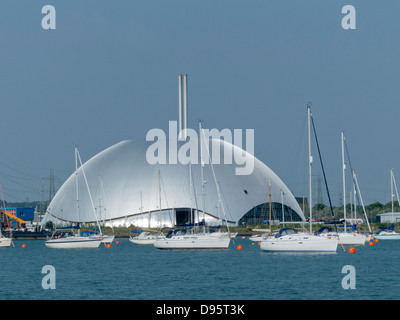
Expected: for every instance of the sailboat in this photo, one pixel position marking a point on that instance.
(190, 239)
(291, 240)
(72, 240)
(105, 238)
(4, 241)
(197, 236)
(388, 233)
(347, 237)
(97, 234)
(147, 237)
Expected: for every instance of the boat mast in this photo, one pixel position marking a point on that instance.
(202, 171)
(283, 210)
(309, 164)
(397, 193)
(354, 204)
(190, 192)
(105, 207)
(344, 182)
(195, 197)
(270, 224)
(159, 194)
(77, 190)
(361, 199)
(215, 181)
(88, 189)
(391, 190)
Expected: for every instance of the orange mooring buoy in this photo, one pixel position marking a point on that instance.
(376, 240)
(24, 246)
(239, 247)
(117, 242)
(371, 243)
(108, 246)
(352, 250)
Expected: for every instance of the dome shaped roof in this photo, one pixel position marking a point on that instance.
(121, 180)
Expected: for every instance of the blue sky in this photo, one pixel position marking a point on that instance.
(109, 72)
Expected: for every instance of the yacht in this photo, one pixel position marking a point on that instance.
(387, 233)
(71, 240)
(146, 237)
(189, 239)
(4, 242)
(290, 240)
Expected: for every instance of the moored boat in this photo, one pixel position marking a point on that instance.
(4, 242)
(387, 233)
(182, 239)
(70, 240)
(290, 240)
(145, 237)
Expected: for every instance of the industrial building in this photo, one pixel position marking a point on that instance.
(126, 189)
(121, 187)
(25, 214)
(389, 217)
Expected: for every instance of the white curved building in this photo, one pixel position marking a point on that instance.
(126, 190)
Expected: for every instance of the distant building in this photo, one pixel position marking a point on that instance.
(122, 187)
(131, 192)
(388, 217)
(26, 214)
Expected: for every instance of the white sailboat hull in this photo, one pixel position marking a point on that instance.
(105, 238)
(195, 241)
(300, 243)
(5, 242)
(146, 238)
(387, 236)
(142, 241)
(108, 239)
(73, 243)
(352, 239)
(256, 238)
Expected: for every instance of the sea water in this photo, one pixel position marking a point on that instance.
(142, 272)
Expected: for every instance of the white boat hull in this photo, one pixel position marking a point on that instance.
(5, 242)
(256, 238)
(73, 243)
(387, 236)
(146, 238)
(142, 241)
(107, 239)
(192, 242)
(352, 239)
(300, 243)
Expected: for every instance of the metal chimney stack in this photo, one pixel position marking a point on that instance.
(182, 81)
